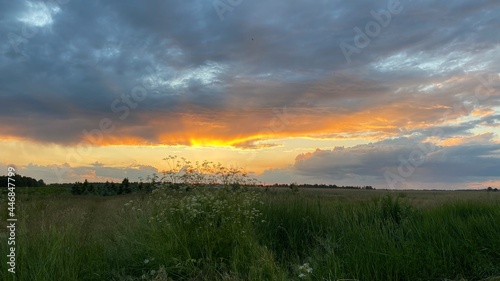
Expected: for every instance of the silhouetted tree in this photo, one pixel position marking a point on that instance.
(21, 181)
(114, 188)
(124, 187)
(77, 188)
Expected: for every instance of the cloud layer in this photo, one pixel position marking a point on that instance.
(183, 73)
(404, 162)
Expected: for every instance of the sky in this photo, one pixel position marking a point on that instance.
(393, 94)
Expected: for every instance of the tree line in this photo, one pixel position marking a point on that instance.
(306, 185)
(21, 181)
(109, 188)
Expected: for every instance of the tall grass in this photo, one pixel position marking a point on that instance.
(208, 234)
(384, 239)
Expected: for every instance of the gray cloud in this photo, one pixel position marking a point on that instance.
(407, 160)
(93, 52)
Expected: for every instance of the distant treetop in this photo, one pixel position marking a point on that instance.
(21, 181)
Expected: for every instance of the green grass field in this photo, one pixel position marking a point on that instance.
(254, 235)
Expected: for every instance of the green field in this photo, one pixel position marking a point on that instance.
(208, 234)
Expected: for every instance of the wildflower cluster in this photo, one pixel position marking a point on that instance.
(206, 207)
(202, 215)
(184, 173)
(154, 275)
(305, 270)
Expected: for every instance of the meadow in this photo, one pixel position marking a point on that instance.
(252, 234)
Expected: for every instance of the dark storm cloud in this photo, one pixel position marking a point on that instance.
(404, 159)
(62, 70)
